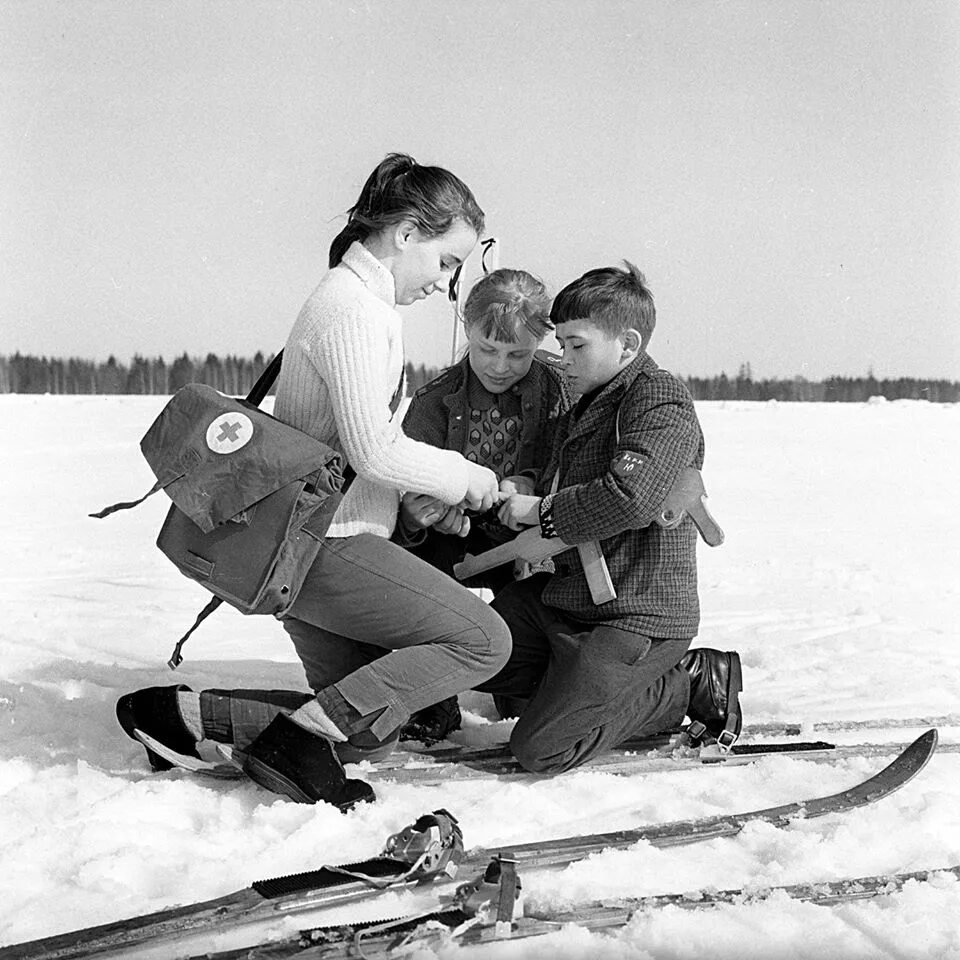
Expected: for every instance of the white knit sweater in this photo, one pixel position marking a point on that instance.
(341, 365)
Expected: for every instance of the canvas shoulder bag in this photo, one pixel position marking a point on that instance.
(252, 497)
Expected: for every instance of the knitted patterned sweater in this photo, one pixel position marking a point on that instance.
(341, 365)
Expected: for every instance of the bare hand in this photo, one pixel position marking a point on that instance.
(520, 511)
(516, 484)
(454, 522)
(482, 491)
(419, 510)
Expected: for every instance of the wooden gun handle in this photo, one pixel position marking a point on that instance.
(688, 496)
(704, 522)
(596, 571)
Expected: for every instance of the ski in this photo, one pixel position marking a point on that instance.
(434, 840)
(470, 920)
(633, 756)
(653, 755)
(783, 729)
(464, 762)
(425, 770)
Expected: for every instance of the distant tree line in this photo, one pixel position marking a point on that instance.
(231, 375)
(235, 376)
(843, 389)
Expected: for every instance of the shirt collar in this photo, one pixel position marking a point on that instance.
(616, 385)
(479, 398)
(378, 279)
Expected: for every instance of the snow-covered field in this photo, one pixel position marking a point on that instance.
(839, 584)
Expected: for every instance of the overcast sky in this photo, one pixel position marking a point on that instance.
(787, 173)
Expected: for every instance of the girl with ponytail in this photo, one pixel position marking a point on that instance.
(431, 198)
(365, 596)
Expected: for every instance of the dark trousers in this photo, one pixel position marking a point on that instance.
(589, 686)
(443, 551)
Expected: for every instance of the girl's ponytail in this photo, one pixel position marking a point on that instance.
(398, 189)
(341, 242)
(363, 215)
(382, 185)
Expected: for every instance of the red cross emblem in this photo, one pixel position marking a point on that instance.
(229, 432)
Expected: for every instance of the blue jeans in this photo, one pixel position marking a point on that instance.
(364, 598)
(588, 686)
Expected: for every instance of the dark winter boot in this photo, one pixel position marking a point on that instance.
(289, 760)
(508, 707)
(154, 710)
(715, 684)
(432, 724)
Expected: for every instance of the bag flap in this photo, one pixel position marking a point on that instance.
(215, 455)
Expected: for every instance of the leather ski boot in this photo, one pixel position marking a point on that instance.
(155, 711)
(291, 761)
(716, 680)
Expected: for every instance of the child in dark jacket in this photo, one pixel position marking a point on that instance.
(498, 406)
(596, 675)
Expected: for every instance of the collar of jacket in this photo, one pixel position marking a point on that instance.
(377, 278)
(612, 394)
(457, 395)
(527, 387)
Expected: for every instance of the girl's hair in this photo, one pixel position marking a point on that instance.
(401, 189)
(612, 298)
(503, 301)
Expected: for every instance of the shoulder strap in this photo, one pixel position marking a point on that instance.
(265, 380)
(255, 396)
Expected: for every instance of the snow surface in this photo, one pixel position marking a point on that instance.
(839, 584)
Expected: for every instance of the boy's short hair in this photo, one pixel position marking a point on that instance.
(504, 301)
(613, 298)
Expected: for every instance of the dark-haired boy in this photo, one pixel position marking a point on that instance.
(596, 675)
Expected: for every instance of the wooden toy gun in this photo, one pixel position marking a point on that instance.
(687, 496)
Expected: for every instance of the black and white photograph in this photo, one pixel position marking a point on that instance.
(480, 480)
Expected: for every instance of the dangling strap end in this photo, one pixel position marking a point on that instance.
(177, 657)
(113, 508)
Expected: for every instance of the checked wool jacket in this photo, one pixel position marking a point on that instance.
(617, 459)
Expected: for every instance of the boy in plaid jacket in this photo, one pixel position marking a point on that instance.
(596, 675)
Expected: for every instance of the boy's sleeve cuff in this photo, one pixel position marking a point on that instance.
(547, 528)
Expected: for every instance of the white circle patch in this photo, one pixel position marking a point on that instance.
(229, 432)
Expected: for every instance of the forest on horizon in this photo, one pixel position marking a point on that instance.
(24, 373)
